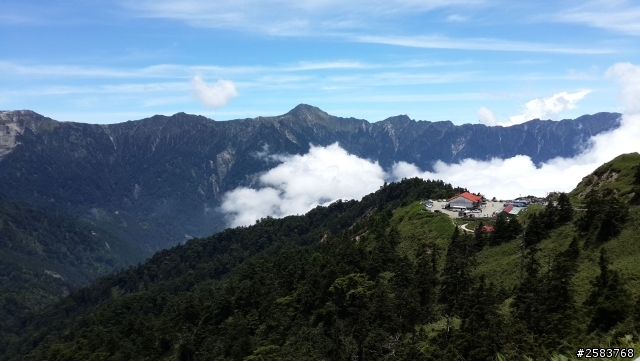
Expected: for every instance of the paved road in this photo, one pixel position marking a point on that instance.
(464, 228)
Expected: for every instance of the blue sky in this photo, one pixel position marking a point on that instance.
(460, 60)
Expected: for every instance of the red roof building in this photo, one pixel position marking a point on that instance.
(485, 229)
(472, 197)
(466, 200)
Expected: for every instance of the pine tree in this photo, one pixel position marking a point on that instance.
(526, 304)
(565, 209)
(456, 275)
(500, 230)
(479, 237)
(549, 216)
(590, 218)
(534, 232)
(558, 304)
(614, 215)
(427, 279)
(514, 228)
(481, 329)
(608, 303)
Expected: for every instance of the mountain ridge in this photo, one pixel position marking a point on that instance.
(158, 181)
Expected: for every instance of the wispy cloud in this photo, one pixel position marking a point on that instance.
(288, 17)
(616, 15)
(98, 89)
(457, 18)
(15, 19)
(443, 42)
(181, 70)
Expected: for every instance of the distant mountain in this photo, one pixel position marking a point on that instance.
(158, 181)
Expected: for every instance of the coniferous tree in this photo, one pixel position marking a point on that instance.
(558, 304)
(636, 175)
(479, 237)
(526, 304)
(534, 232)
(590, 218)
(614, 214)
(456, 275)
(481, 329)
(565, 209)
(500, 230)
(426, 279)
(608, 303)
(549, 216)
(514, 228)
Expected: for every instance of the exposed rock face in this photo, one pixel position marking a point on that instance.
(154, 180)
(14, 123)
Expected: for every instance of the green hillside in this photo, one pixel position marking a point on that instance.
(44, 256)
(618, 175)
(376, 279)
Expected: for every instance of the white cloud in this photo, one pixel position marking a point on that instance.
(487, 117)
(301, 182)
(627, 76)
(617, 16)
(506, 178)
(456, 18)
(326, 174)
(214, 95)
(443, 42)
(548, 108)
(289, 17)
(541, 108)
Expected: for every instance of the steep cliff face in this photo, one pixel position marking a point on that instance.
(158, 181)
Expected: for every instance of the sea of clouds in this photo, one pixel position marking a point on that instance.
(326, 174)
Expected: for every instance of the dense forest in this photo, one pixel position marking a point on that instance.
(45, 255)
(376, 279)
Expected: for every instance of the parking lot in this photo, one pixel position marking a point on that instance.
(487, 209)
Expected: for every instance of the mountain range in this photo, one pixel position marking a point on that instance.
(158, 181)
(78, 201)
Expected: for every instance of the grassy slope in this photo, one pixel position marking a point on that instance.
(623, 169)
(501, 264)
(417, 225)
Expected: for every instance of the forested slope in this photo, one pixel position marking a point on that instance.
(44, 256)
(373, 280)
(176, 273)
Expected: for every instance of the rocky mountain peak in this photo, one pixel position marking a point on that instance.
(307, 113)
(14, 123)
(13, 116)
(399, 120)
